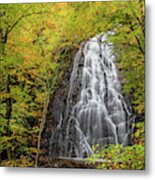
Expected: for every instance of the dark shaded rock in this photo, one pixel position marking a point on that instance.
(56, 109)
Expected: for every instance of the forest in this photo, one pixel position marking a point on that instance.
(37, 45)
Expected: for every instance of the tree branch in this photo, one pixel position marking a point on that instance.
(23, 16)
(137, 39)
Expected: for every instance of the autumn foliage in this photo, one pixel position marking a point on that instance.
(34, 43)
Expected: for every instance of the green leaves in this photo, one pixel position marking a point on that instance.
(118, 157)
(37, 44)
(11, 61)
(129, 45)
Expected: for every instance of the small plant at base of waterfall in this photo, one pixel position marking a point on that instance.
(119, 157)
(138, 136)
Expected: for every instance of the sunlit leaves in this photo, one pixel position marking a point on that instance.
(36, 44)
(120, 157)
(117, 157)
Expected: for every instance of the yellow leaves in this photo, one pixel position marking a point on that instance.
(26, 39)
(20, 108)
(23, 161)
(40, 97)
(22, 78)
(33, 73)
(119, 157)
(29, 58)
(32, 150)
(61, 5)
(139, 134)
(17, 130)
(36, 38)
(49, 24)
(95, 147)
(140, 108)
(5, 95)
(37, 114)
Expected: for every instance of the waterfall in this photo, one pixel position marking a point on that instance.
(96, 112)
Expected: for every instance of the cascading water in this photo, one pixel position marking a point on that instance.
(98, 113)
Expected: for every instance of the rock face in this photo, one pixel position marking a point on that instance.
(89, 108)
(56, 108)
(94, 111)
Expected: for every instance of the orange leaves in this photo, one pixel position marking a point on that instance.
(50, 24)
(31, 58)
(26, 39)
(37, 114)
(61, 5)
(5, 95)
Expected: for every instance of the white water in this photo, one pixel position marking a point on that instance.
(100, 116)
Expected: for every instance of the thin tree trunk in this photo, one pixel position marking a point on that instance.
(8, 110)
(8, 100)
(46, 102)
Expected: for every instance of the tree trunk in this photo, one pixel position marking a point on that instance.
(46, 103)
(8, 100)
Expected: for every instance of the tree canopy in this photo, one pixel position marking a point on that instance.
(34, 44)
